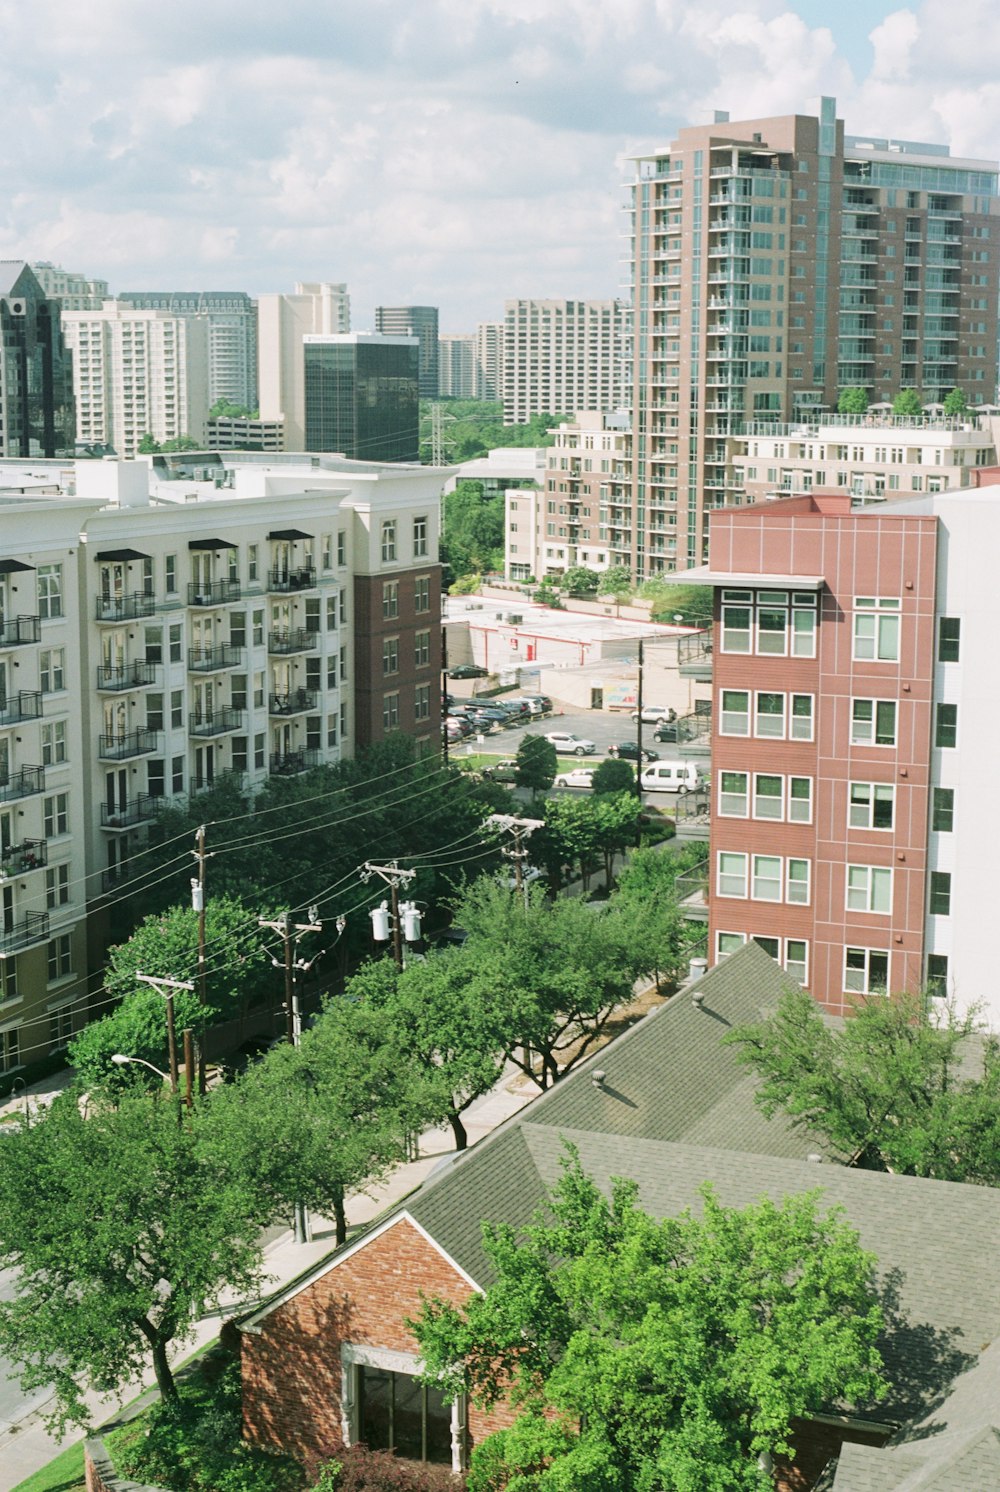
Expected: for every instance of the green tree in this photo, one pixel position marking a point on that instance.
(473, 541)
(551, 973)
(239, 975)
(613, 776)
(890, 1089)
(224, 409)
(692, 603)
(617, 582)
(312, 1122)
(907, 402)
(853, 401)
(955, 403)
(580, 578)
(122, 1233)
(182, 443)
(147, 446)
(536, 764)
(640, 1352)
(646, 897)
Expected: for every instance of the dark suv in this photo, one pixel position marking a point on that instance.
(628, 751)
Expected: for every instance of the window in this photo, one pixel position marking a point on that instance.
(726, 943)
(768, 795)
(331, 730)
(800, 800)
(238, 629)
(948, 639)
(419, 538)
(945, 725)
(388, 540)
(737, 614)
(258, 688)
(53, 743)
(257, 627)
(52, 663)
(939, 899)
(8, 980)
(343, 664)
(154, 711)
(60, 957)
(766, 878)
(796, 958)
(869, 889)
(770, 719)
(170, 574)
(342, 548)
(876, 629)
(422, 702)
(177, 703)
(390, 599)
(259, 751)
(422, 593)
(782, 622)
(60, 1027)
(732, 874)
(866, 971)
(421, 649)
(177, 774)
(50, 592)
(873, 722)
(937, 975)
(870, 805)
(253, 561)
(390, 711)
(176, 643)
(797, 882)
(397, 1413)
(943, 809)
(342, 607)
(326, 551)
(735, 712)
(733, 794)
(390, 655)
(57, 886)
(331, 613)
(801, 722)
(55, 814)
(10, 1047)
(156, 776)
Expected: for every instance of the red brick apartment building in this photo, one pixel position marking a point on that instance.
(825, 724)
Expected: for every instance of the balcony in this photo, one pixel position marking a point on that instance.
(215, 722)
(137, 675)
(22, 783)
(291, 763)
(213, 592)
(691, 892)
(292, 640)
(115, 876)
(295, 578)
(694, 656)
(141, 810)
(295, 702)
(214, 659)
(119, 745)
(26, 704)
(29, 930)
(17, 630)
(124, 608)
(692, 816)
(19, 859)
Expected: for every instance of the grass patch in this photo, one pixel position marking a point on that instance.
(64, 1474)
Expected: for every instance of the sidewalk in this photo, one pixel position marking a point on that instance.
(26, 1446)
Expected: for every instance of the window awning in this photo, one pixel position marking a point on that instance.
(211, 544)
(121, 554)
(289, 533)
(13, 566)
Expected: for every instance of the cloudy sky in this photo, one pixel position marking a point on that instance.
(443, 152)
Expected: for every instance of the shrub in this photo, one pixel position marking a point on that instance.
(362, 1470)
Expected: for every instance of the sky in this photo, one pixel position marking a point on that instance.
(426, 152)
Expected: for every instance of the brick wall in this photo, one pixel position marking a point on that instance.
(292, 1366)
(815, 1445)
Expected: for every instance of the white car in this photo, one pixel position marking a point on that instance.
(579, 777)
(569, 744)
(652, 714)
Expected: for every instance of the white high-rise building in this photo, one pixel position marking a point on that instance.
(315, 309)
(489, 361)
(137, 373)
(73, 292)
(559, 356)
(231, 318)
(457, 366)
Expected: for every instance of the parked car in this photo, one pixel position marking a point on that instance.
(628, 751)
(502, 771)
(667, 730)
(488, 716)
(570, 745)
(538, 704)
(578, 777)
(670, 777)
(468, 671)
(653, 714)
(517, 709)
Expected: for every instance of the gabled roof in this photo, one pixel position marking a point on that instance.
(11, 271)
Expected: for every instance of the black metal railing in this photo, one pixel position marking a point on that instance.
(297, 578)
(294, 702)
(117, 745)
(15, 630)
(211, 659)
(292, 640)
(139, 810)
(26, 704)
(22, 783)
(289, 763)
(135, 675)
(214, 722)
(692, 884)
(32, 928)
(19, 859)
(125, 608)
(695, 648)
(213, 592)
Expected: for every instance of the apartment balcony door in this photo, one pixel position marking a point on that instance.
(204, 766)
(202, 631)
(281, 740)
(113, 650)
(112, 580)
(116, 791)
(6, 835)
(8, 909)
(115, 718)
(206, 696)
(282, 554)
(203, 570)
(281, 615)
(3, 685)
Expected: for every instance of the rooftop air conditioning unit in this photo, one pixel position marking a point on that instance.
(514, 619)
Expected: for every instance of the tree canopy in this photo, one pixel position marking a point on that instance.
(536, 764)
(955, 402)
(616, 581)
(852, 401)
(121, 1232)
(907, 402)
(897, 1087)
(641, 1352)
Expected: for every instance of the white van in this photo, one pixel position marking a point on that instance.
(670, 777)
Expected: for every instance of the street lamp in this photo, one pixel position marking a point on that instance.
(119, 1059)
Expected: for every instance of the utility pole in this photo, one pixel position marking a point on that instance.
(165, 987)
(394, 877)
(444, 689)
(188, 1069)
(198, 903)
(517, 851)
(638, 733)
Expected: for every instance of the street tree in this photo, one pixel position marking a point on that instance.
(613, 776)
(898, 1087)
(644, 1352)
(580, 578)
(616, 581)
(692, 603)
(646, 898)
(551, 973)
(955, 402)
(908, 402)
(536, 764)
(852, 401)
(121, 1234)
(568, 840)
(239, 975)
